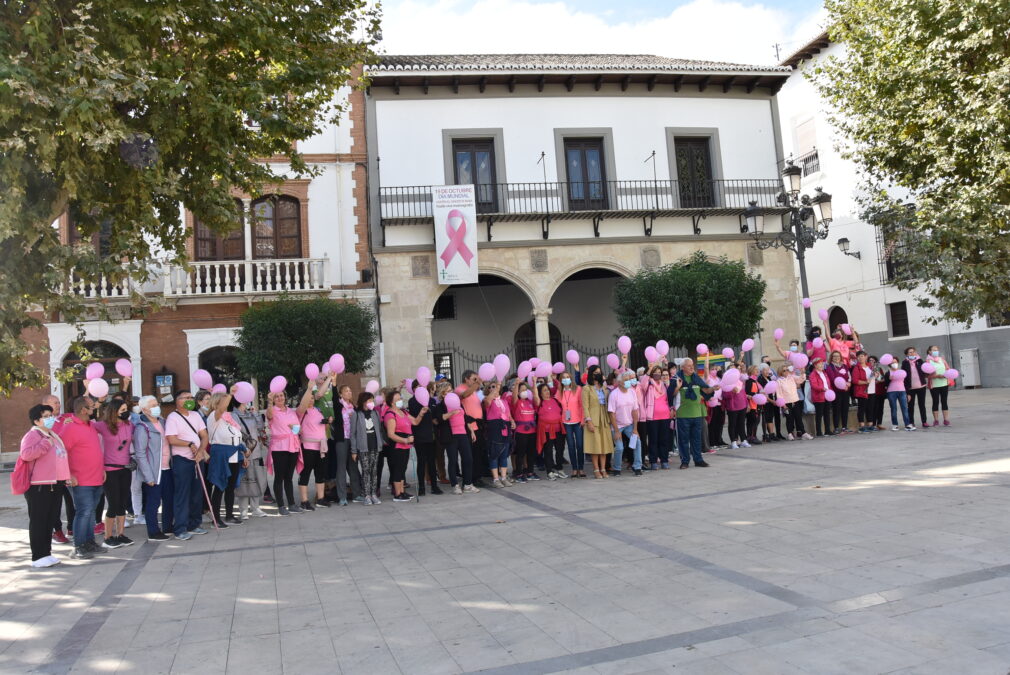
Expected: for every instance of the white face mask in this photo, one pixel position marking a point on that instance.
(524, 394)
(156, 411)
(791, 369)
(399, 403)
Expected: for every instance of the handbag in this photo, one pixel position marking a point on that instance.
(21, 478)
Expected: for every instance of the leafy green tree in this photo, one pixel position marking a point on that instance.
(129, 108)
(280, 338)
(920, 95)
(697, 299)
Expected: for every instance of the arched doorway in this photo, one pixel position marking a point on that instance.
(221, 363)
(472, 323)
(101, 351)
(582, 308)
(836, 317)
(525, 342)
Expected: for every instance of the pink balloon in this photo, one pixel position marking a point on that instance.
(542, 370)
(244, 392)
(278, 384)
(452, 401)
(337, 363)
(800, 360)
(486, 371)
(729, 378)
(780, 402)
(760, 399)
(524, 369)
(651, 355)
(847, 329)
(534, 362)
(124, 368)
(840, 383)
(326, 370)
(779, 333)
(829, 395)
(572, 357)
(728, 352)
(818, 342)
(702, 348)
(422, 396)
(886, 359)
(928, 368)
(744, 377)
(663, 347)
(372, 386)
(806, 303)
(219, 389)
(502, 365)
(202, 379)
(98, 387)
(592, 361)
(613, 361)
(423, 376)
(312, 371)
(94, 371)
(823, 313)
(558, 368)
(771, 387)
(624, 344)
(747, 345)
(952, 374)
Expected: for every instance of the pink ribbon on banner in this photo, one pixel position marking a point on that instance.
(457, 240)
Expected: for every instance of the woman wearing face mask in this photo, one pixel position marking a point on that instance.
(864, 388)
(812, 350)
(916, 382)
(569, 395)
(116, 434)
(599, 441)
(819, 386)
(49, 474)
(754, 412)
(366, 439)
(314, 447)
(150, 447)
(424, 439)
(499, 427)
(655, 412)
(253, 485)
(550, 431)
(624, 415)
(878, 399)
(897, 397)
(789, 383)
(398, 426)
(202, 399)
(285, 450)
(524, 455)
(734, 402)
(839, 342)
(837, 369)
(771, 430)
(228, 458)
(938, 386)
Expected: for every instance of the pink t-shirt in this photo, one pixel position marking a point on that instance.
(402, 425)
(471, 404)
(84, 450)
(115, 445)
(280, 430)
(660, 408)
(175, 425)
(498, 410)
(897, 382)
(623, 404)
(457, 424)
(525, 416)
(313, 431)
(817, 352)
(571, 405)
(843, 347)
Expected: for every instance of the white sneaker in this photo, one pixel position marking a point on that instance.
(744, 444)
(734, 446)
(376, 500)
(895, 428)
(496, 483)
(562, 474)
(469, 489)
(259, 513)
(807, 437)
(48, 561)
(910, 427)
(457, 490)
(507, 482)
(791, 437)
(552, 475)
(140, 520)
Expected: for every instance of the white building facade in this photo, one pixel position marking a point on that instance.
(587, 168)
(858, 289)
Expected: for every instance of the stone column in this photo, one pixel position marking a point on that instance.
(542, 327)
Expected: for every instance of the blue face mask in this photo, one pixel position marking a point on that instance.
(628, 384)
(156, 411)
(49, 422)
(296, 428)
(794, 348)
(566, 381)
(935, 353)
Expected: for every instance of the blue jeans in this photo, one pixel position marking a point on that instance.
(619, 449)
(498, 454)
(85, 501)
(689, 430)
(573, 438)
(152, 499)
(188, 495)
(895, 398)
(167, 486)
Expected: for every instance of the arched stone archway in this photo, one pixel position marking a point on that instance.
(582, 307)
(125, 335)
(836, 317)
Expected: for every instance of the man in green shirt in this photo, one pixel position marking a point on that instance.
(693, 392)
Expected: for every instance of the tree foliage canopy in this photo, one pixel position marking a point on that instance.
(920, 95)
(280, 338)
(697, 299)
(129, 108)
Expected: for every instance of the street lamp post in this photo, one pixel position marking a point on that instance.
(796, 235)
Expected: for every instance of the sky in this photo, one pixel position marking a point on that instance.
(741, 31)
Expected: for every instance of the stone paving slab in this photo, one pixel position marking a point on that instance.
(880, 554)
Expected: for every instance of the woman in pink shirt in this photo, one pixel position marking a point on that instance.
(285, 450)
(49, 474)
(820, 383)
(499, 426)
(314, 447)
(569, 395)
(399, 431)
(524, 413)
(897, 396)
(655, 412)
(550, 431)
(116, 434)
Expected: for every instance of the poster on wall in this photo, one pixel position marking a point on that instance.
(454, 208)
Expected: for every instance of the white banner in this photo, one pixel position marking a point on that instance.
(454, 208)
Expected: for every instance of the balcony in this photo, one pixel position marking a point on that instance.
(810, 162)
(247, 277)
(500, 202)
(103, 289)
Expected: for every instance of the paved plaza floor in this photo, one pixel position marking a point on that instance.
(881, 554)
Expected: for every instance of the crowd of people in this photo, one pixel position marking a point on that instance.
(207, 462)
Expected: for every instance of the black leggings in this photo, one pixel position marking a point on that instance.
(772, 414)
(864, 410)
(524, 454)
(822, 412)
(554, 452)
(398, 460)
(43, 508)
(425, 461)
(877, 407)
(312, 462)
(117, 491)
(737, 428)
(840, 409)
(284, 471)
(915, 395)
(794, 418)
(753, 420)
(939, 396)
(460, 449)
(228, 493)
(715, 427)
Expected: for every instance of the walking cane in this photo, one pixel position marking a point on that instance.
(210, 507)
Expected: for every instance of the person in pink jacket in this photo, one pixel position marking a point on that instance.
(655, 412)
(569, 394)
(820, 384)
(50, 474)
